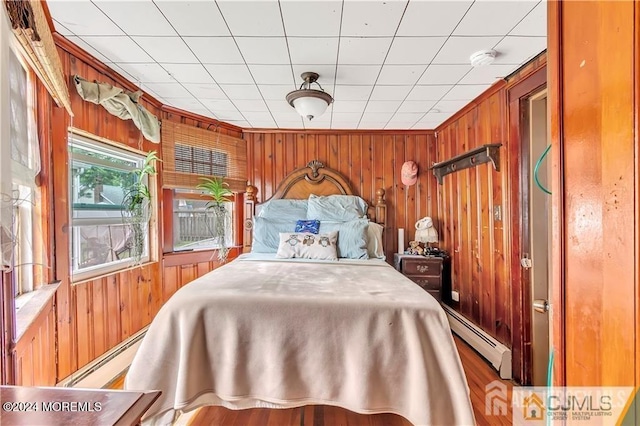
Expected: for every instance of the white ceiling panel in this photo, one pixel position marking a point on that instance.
(257, 18)
(189, 73)
(313, 50)
(371, 18)
(493, 17)
(312, 18)
(390, 93)
(517, 50)
(457, 50)
(363, 51)
(444, 74)
(194, 18)
(534, 24)
(167, 49)
(136, 18)
(230, 74)
(400, 74)
(432, 18)
(118, 49)
(83, 18)
(414, 50)
(317, 124)
(215, 50)
(387, 63)
(264, 50)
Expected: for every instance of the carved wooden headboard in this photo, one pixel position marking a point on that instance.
(316, 179)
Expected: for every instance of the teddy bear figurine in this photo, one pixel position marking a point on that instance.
(414, 248)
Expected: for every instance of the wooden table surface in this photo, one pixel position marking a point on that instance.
(64, 406)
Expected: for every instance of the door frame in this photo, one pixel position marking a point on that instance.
(518, 127)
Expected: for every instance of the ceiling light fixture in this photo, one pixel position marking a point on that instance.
(482, 58)
(309, 103)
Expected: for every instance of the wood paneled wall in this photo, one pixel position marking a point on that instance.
(594, 94)
(369, 161)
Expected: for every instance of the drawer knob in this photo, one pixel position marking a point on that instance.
(422, 268)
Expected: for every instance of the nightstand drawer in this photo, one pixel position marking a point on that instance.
(427, 282)
(422, 266)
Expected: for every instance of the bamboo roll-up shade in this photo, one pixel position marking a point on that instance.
(29, 24)
(191, 153)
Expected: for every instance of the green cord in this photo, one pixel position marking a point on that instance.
(550, 379)
(535, 170)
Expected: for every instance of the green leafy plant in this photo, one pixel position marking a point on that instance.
(136, 204)
(218, 190)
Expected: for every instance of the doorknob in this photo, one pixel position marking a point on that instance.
(525, 262)
(541, 305)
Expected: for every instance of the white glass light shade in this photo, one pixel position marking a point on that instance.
(309, 103)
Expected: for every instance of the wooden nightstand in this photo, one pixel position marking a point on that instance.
(426, 271)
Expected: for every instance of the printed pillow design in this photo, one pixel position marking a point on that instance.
(308, 246)
(310, 226)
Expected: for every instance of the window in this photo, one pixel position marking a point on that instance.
(101, 177)
(193, 224)
(200, 161)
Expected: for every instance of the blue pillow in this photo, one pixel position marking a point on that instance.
(284, 210)
(266, 234)
(311, 226)
(338, 208)
(352, 237)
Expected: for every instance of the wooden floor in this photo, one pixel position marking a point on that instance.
(478, 373)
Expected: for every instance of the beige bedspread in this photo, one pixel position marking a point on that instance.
(281, 334)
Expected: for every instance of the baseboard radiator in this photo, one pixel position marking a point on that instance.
(101, 371)
(493, 351)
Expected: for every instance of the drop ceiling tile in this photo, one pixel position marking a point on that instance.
(189, 73)
(415, 107)
(217, 106)
(82, 18)
(406, 117)
(314, 124)
(428, 93)
(239, 123)
(377, 117)
(360, 75)
(344, 125)
(272, 74)
(205, 91)
(414, 50)
(327, 75)
(124, 74)
(250, 106)
(351, 93)
(399, 125)
(241, 91)
(426, 125)
(487, 74)
(252, 18)
(265, 50)
(289, 116)
(215, 50)
(280, 106)
(230, 74)
(382, 106)
(363, 51)
(147, 73)
(368, 18)
(457, 50)
(257, 115)
(518, 50)
(290, 124)
(127, 15)
(390, 93)
(465, 92)
(435, 117)
(449, 106)
(373, 125)
(444, 74)
(169, 90)
(263, 124)
(118, 49)
(343, 106)
(276, 91)
(167, 49)
(400, 74)
(344, 117)
(89, 49)
(184, 103)
(194, 18)
(432, 18)
(493, 17)
(313, 50)
(229, 115)
(311, 18)
(534, 24)
(61, 29)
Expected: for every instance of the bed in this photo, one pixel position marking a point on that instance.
(267, 331)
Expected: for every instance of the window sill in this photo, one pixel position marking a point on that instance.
(31, 307)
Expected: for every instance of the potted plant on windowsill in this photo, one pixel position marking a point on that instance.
(136, 206)
(218, 190)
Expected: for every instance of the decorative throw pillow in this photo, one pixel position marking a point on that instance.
(311, 226)
(308, 246)
(338, 208)
(374, 243)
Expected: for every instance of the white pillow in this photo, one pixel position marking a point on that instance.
(308, 246)
(375, 248)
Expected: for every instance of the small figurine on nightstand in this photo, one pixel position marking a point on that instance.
(414, 248)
